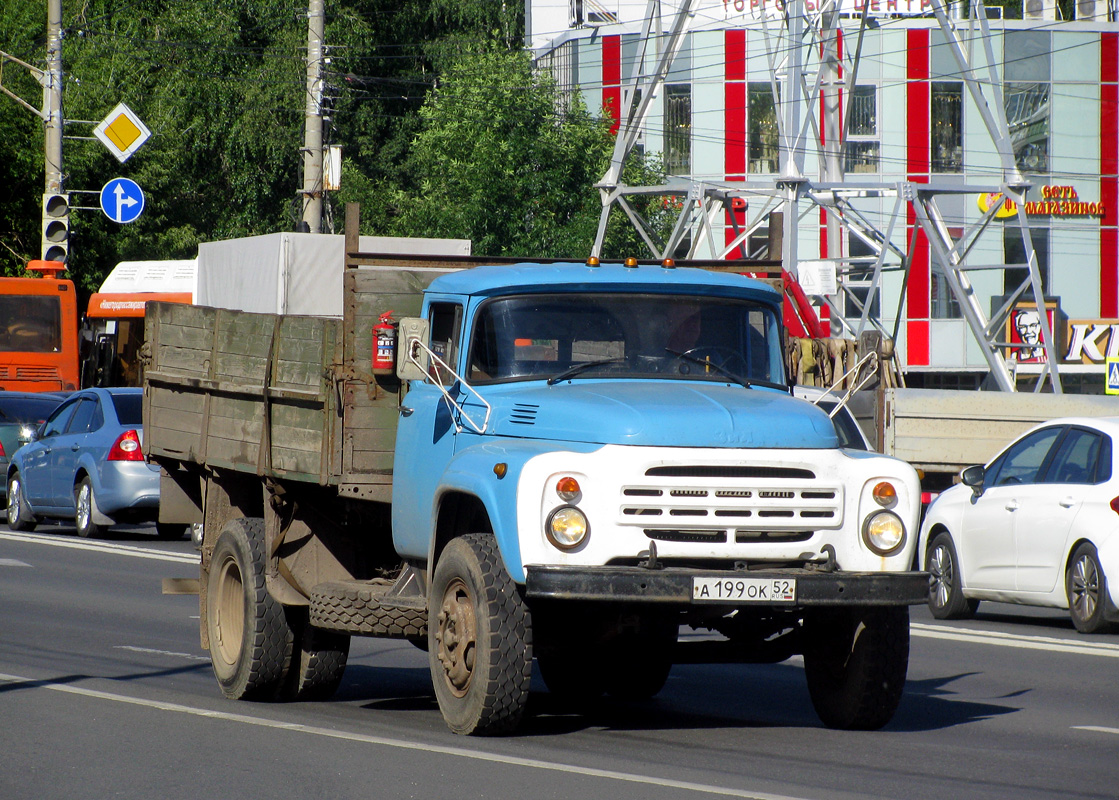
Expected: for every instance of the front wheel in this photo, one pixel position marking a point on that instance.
(946, 592)
(85, 508)
(251, 642)
(1086, 586)
(20, 517)
(479, 639)
(855, 662)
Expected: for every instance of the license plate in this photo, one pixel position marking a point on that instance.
(744, 590)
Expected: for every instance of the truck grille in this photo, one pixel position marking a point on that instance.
(719, 503)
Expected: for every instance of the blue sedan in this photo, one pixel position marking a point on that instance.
(86, 463)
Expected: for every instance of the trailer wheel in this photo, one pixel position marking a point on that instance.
(479, 639)
(318, 660)
(20, 517)
(250, 640)
(855, 661)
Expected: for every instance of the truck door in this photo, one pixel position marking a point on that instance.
(425, 437)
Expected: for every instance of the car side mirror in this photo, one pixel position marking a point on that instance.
(411, 357)
(974, 476)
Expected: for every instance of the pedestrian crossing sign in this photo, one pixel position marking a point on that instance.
(1113, 376)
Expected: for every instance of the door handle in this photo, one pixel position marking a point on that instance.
(1067, 502)
(1012, 505)
(75, 447)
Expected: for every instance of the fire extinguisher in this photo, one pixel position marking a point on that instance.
(384, 344)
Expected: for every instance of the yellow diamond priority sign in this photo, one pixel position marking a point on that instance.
(122, 132)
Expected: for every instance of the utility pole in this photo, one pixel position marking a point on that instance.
(312, 137)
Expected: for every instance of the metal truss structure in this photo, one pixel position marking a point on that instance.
(807, 75)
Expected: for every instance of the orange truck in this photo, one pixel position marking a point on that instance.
(39, 331)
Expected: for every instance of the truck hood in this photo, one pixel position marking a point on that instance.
(660, 413)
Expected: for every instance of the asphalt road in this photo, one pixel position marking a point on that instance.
(105, 692)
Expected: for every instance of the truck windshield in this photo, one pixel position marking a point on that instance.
(684, 337)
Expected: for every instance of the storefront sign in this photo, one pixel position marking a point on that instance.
(1025, 334)
(757, 9)
(1092, 341)
(1056, 201)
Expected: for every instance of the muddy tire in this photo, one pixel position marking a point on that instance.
(251, 642)
(318, 660)
(479, 639)
(20, 517)
(346, 608)
(855, 662)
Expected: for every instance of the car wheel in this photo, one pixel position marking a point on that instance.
(946, 596)
(85, 506)
(1086, 586)
(20, 517)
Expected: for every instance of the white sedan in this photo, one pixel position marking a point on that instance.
(1038, 525)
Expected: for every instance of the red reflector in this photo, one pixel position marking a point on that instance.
(2, 453)
(928, 497)
(126, 448)
(1115, 505)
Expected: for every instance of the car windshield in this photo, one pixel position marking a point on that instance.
(588, 335)
(129, 408)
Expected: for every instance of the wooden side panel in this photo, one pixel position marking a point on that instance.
(372, 402)
(250, 392)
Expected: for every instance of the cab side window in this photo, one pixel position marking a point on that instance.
(445, 336)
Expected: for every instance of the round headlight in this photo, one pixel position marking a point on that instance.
(567, 527)
(884, 532)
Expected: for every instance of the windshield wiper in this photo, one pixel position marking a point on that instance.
(734, 376)
(575, 369)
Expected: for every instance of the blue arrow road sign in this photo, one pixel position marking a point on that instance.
(122, 200)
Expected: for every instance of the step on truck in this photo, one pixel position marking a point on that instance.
(566, 463)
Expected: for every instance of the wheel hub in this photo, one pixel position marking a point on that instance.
(457, 636)
(940, 568)
(1085, 587)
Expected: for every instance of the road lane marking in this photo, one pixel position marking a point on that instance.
(12, 562)
(150, 651)
(1095, 729)
(404, 744)
(135, 551)
(1014, 640)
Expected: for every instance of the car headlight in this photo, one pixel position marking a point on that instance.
(567, 527)
(884, 532)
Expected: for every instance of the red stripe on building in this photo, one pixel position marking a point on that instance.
(1109, 174)
(917, 167)
(612, 78)
(734, 120)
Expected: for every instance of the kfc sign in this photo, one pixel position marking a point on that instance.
(1092, 341)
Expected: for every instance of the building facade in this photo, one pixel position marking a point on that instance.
(910, 118)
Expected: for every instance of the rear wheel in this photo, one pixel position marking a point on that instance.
(855, 661)
(85, 507)
(251, 642)
(318, 660)
(20, 517)
(946, 593)
(1086, 586)
(479, 639)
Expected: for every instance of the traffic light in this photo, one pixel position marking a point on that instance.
(56, 227)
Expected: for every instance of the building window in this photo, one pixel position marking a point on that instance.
(1014, 252)
(942, 303)
(678, 129)
(1027, 70)
(762, 128)
(1027, 117)
(947, 126)
(858, 276)
(861, 150)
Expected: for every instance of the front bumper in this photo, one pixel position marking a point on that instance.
(674, 586)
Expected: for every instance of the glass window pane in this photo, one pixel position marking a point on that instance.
(864, 112)
(1025, 458)
(678, 129)
(1027, 115)
(1075, 460)
(947, 127)
(30, 324)
(1026, 55)
(762, 128)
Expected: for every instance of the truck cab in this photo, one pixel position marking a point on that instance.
(628, 438)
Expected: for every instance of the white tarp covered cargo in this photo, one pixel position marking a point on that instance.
(293, 273)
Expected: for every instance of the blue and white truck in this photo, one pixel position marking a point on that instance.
(568, 463)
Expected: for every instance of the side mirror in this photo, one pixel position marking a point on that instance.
(974, 476)
(411, 359)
